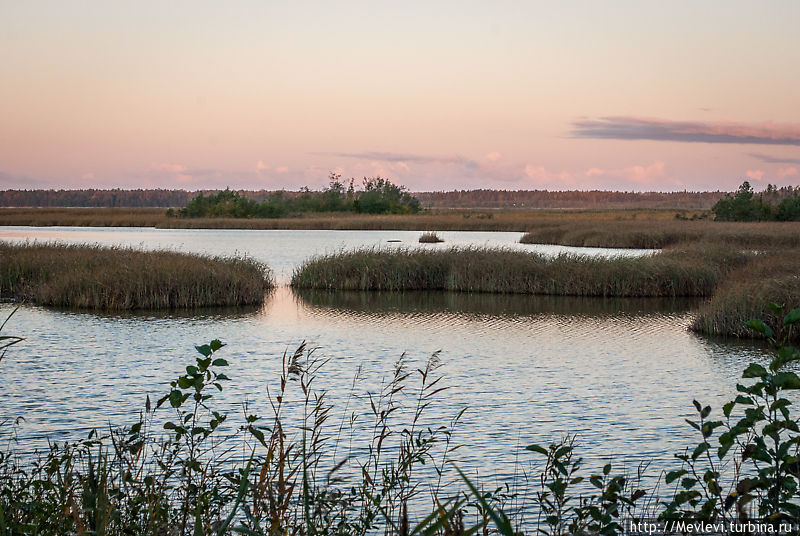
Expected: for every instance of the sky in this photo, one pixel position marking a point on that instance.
(615, 95)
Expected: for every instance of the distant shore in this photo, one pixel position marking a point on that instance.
(438, 220)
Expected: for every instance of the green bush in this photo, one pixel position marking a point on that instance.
(379, 196)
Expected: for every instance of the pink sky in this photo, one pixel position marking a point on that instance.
(632, 95)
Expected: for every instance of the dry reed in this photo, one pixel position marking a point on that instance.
(94, 277)
(679, 272)
(430, 237)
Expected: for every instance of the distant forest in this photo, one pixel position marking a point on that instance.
(499, 199)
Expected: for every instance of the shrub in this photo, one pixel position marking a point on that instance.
(430, 238)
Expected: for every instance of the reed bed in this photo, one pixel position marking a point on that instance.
(94, 277)
(82, 217)
(771, 279)
(443, 220)
(430, 238)
(678, 272)
(648, 234)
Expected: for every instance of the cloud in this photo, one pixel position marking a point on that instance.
(406, 157)
(169, 168)
(637, 177)
(774, 159)
(636, 128)
(644, 174)
(755, 174)
(787, 172)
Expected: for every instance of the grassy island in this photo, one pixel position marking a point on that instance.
(679, 272)
(94, 277)
(739, 283)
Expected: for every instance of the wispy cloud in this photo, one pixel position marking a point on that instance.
(637, 128)
(774, 159)
(407, 157)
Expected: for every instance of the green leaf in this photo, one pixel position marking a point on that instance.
(204, 349)
(688, 483)
(787, 380)
(500, 520)
(258, 434)
(792, 318)
(723, 450)
(699, 450)
(776, 309)
(220, 363)
(760, 327)
(216, 344)
(672, 476)
(191, 370)
(754, 370)
(727, 408)
(184, 382)
(788, 354)
(175, 399)
(537, 448)
(606, 469)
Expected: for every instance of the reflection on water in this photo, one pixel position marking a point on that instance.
(621, 373)
(327, 302)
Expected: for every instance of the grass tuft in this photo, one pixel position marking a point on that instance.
(94, 277)
(430, 237)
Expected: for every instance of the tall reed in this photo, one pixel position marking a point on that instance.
(679, 272)
(644, 233)
(770, 279)
(117, 278)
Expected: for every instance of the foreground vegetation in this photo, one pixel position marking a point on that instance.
(183, 468)
(94, 277)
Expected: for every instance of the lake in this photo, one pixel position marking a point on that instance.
(621, 373)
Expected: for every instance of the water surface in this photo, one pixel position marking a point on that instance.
(621, 373)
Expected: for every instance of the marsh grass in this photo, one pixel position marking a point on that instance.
(444, 220)
(678, 272)
(770, 279)
(652, 234)
(430, 237)
(94, 277)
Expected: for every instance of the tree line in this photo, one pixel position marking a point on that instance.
(773, 204)
(294, 201)
(579, 199)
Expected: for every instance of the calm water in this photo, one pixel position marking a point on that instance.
(620, 373)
